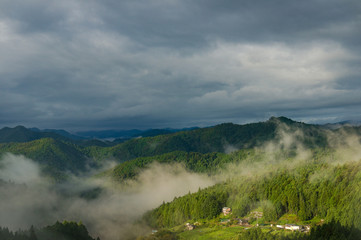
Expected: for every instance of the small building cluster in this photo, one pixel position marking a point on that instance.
(256, 214)
(243, 222)
(190, 226)
(226, 211)
(294, 227)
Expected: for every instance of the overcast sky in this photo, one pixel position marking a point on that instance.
(90, 64)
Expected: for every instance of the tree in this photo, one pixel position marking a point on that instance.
(32, 233)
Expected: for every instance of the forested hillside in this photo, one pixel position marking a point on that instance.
(22, 134)
(320, 189)
(58, 231)
(289, 171)
(55, 157)
(221, 138)
(200, 149)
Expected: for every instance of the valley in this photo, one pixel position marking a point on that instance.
(289, 172)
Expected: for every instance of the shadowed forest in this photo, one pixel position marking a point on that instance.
(270, 174)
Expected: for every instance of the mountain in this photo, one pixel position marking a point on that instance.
(351, 122)
(348, 123)
(209, 149)
(156, 132)
(220, 138)
(59, 132)
(22, 134)
(159, 141)
(67, 230)
(316, 184)
(54, 156)
(62, 153)
(109, 134)
(315, 192)
(287, 170)
(119, 135)
(195, 162)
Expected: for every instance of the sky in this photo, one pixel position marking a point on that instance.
(124, 64)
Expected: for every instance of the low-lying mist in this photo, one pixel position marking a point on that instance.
(29, 199)
(287, 151)
(112, 211)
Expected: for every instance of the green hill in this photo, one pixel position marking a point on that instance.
(196, 162)
(203, 140)
(313, 190)
(217, 139)
(203, 150)
(200, 149)
(22, 134)
(55, 156)
(269, 171)
(58, 231)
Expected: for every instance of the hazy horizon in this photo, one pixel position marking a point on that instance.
(99, 129)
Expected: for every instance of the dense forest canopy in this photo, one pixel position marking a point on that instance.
(289, 171)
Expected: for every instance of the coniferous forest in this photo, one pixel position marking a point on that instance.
(271, 175)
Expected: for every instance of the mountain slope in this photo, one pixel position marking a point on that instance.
(59, 132)
(225, 137)
(314, 190)
(22, 134)
(196, 162)
(64, 154)
(54, 156)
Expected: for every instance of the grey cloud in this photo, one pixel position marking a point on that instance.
(126, 64)
(194, 24)
(32, 16)
(178, 24)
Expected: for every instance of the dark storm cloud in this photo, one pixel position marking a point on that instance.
(196, 23)
(193, 23)
(127, 64)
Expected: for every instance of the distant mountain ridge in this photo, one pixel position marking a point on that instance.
(23, 134)
(128, 134)
(59, 132)
(111, 134)
(55, 157)
(61, 153)
(350, 123)
(98, 138)
(295, 189)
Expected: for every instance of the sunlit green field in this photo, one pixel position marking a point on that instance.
(212, 233)
(222, 232)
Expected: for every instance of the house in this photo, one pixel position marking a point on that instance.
(292, 227)
(226, 211)
(190, 226)
(243, 222)
(256, 214)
